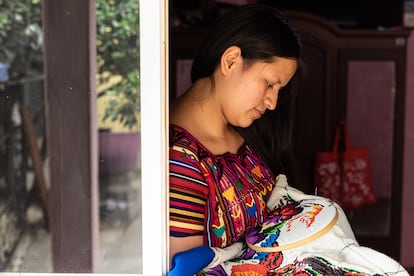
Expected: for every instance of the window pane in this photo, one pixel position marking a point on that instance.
(25, 240)
(119, 136)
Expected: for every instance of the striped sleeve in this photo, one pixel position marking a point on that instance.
(188, 194)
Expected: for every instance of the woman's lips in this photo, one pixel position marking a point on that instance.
(258, 113)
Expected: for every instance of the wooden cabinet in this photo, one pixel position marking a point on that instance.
(352, 73)
(358, 75)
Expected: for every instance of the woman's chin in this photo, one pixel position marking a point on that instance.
(246, 124)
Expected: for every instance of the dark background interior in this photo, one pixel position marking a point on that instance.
(345, 13)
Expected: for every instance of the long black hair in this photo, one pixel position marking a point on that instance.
(262, 34)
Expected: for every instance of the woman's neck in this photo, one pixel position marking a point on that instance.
(199, 112)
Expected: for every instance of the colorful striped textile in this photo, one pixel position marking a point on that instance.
(220, 197)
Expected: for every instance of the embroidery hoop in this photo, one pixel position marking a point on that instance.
(324, 221)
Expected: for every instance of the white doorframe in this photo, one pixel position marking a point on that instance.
(154, 125)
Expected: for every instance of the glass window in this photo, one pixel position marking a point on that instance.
(132, 193)
(119, 136)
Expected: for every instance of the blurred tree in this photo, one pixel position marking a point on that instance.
(118, 58)
(21, 37)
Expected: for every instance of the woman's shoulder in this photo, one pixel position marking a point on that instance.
(182, 140)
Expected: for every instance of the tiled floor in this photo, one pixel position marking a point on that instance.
(120, 232)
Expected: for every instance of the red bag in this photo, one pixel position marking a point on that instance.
(345, 176)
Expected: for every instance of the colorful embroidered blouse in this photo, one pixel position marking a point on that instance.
(217, 196)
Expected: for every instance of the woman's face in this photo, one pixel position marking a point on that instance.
(249, 92)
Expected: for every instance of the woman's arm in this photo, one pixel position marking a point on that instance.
(188, 194)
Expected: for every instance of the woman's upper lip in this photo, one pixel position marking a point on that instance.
(260, 111)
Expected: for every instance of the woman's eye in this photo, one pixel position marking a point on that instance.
(269, 85)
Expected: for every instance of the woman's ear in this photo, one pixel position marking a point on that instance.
(230, 58)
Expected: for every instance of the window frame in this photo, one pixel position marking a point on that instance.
(154, 112)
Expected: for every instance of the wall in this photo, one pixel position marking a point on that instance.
(407, 239)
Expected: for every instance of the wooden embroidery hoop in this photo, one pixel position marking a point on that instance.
(297, 243)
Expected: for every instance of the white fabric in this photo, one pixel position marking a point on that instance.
(339, 245)
(225, 254)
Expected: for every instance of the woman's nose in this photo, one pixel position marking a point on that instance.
(270, 100)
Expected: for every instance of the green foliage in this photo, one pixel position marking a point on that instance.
(21, 37)
(118, 55)
(124, 106)
(117, 49)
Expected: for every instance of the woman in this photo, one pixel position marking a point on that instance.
(230, 132)
(230, 147)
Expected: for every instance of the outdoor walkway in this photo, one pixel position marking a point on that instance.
(120, 232)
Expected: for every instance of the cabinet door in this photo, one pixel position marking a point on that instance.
(359, 75)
